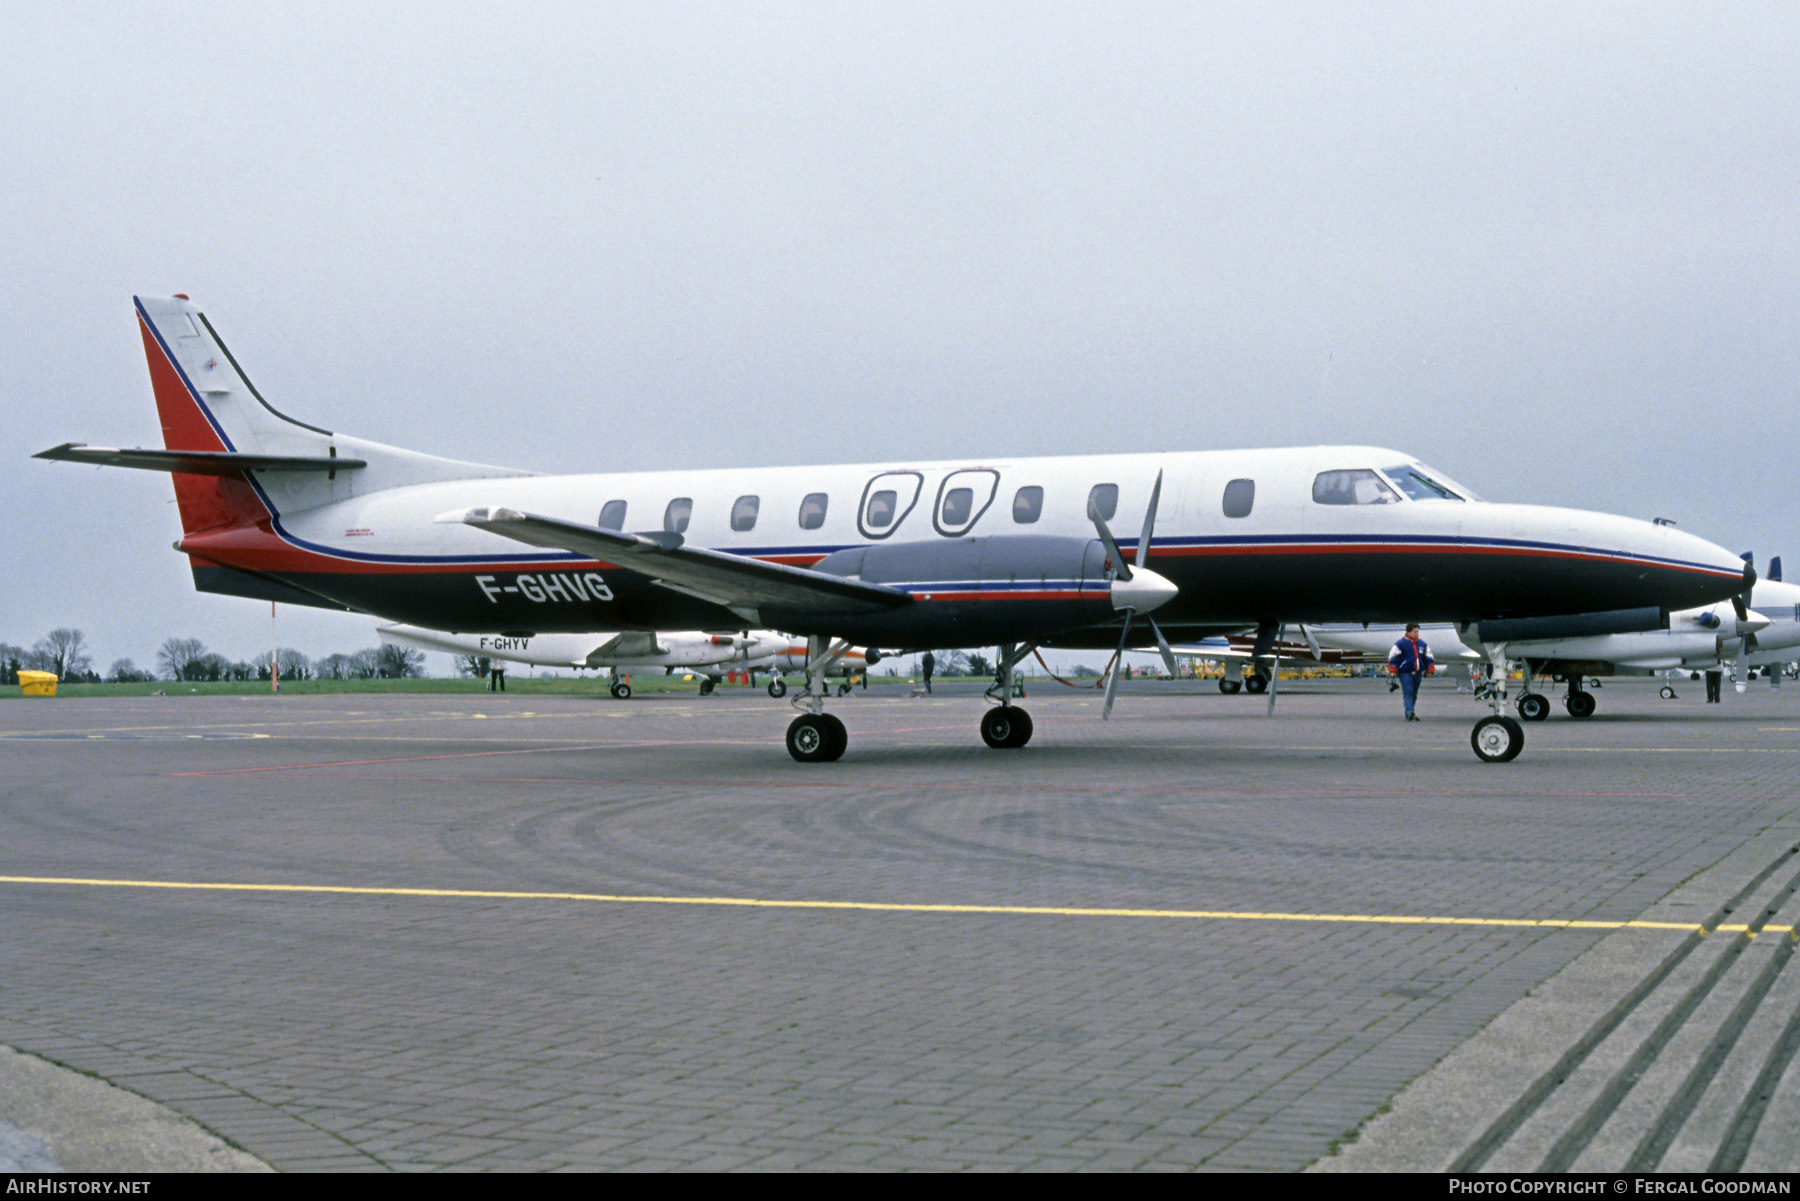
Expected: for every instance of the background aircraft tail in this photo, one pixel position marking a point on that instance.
(207, 405)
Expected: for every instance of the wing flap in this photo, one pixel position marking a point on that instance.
(734, 581)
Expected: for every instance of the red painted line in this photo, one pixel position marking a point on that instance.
(540, 750)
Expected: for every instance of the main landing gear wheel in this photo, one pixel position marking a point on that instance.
(707, 684)
(1534, 706)
(1666, 692)
(778, 687)
(621, 690)
(1228, 687)
(1257, 684)
(1497, 739)
(1580, 704)
(1006, 728)
(817, 738)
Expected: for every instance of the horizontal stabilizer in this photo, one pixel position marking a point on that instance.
(194, 462)
(734, 581)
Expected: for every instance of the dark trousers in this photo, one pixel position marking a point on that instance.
(1409, 689)
(1713, 680)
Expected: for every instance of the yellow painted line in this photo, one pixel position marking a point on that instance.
(893, 906)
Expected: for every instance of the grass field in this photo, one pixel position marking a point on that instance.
(524, 685)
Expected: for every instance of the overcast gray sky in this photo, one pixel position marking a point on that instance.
(1553, 249)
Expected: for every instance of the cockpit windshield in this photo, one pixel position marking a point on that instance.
(1422, 483)
(1358, 487)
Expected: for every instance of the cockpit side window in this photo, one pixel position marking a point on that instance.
(1417, 485)
(1355, 487)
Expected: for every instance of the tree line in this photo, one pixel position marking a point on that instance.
(64, 652)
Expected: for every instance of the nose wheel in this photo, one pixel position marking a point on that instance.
(1498, 739)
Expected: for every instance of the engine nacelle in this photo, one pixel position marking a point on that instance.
(1005, 587)
(1564, 626)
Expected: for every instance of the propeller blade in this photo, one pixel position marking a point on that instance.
(1162, 644)
(1143, 546)
(1275, 667)
(1112, 676)
(1121, 569)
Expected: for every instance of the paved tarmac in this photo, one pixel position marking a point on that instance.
(515, 932)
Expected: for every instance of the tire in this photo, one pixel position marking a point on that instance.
(816, 738)
(1006, 728)
(1230, 687)
(778, 687)
(621, 692)
(1534, 706)
(840, 737)
(1666, 692)
(1497, 739)
(707, 684)
(1257, 684)
(1580, 704)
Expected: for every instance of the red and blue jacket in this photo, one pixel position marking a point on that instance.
(1410, 656)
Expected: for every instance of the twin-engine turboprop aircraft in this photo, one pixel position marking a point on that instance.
(968, 552)
(711, 655)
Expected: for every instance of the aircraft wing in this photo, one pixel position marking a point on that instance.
(737, 582)
(194, 462)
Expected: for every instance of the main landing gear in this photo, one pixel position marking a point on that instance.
(620, 687)
(818, 737)
(1006, 727)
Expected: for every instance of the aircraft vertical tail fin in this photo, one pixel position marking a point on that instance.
(207, 404)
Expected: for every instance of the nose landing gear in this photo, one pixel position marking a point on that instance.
(1498, 738)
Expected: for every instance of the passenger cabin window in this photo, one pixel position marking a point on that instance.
(879, 513)
(1240, 496)
(887, 500)
(675, 517)
(812, 510)
(1417, 485)
(1103, 501)
(612, 515)
(1352, 488)
(1028, 504)
(743, 513)
(962, 499)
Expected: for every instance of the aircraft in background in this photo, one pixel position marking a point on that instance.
(708, 655)
(977, 551)
(1759, 629)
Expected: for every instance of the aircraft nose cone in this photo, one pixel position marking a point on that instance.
(1144, 591)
